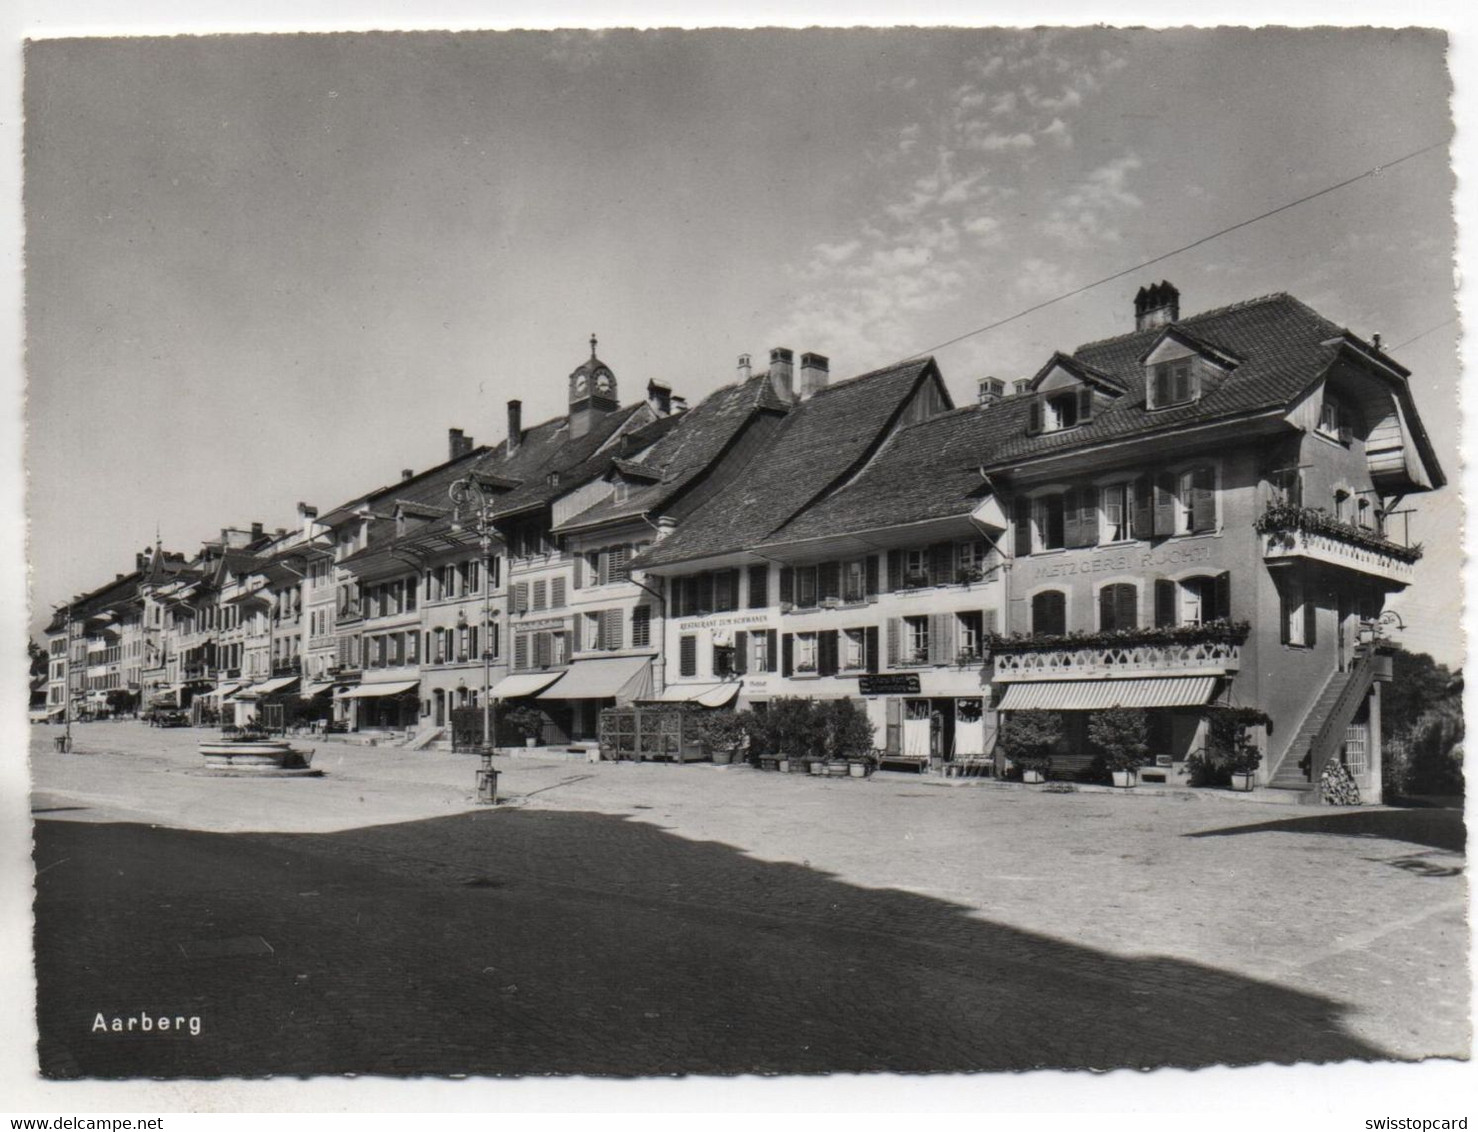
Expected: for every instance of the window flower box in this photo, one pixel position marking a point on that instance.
(916, 580)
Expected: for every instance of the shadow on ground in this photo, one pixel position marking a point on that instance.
(1433, 828)
(527, 942)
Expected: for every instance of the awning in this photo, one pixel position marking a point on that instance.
(52, 713)
(704, 695)
(224, 690)
(317, 689)
(246, 691)
(523, 684)
(369, 691)
(1097, 695)
(614, 677)
(267, 687)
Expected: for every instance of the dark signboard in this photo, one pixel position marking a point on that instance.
(891, 684)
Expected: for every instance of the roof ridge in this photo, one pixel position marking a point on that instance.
(896, 367)
(1240, 304)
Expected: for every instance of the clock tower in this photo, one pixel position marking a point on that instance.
(592, 393)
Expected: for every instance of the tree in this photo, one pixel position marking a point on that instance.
(39, 670)
(1418, 683)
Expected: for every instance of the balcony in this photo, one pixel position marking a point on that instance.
(1183, 650)
(1293, 533)
(290, 667)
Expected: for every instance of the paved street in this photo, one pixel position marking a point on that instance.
(652, 919)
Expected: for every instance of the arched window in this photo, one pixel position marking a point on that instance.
(1049, 613)
(1118, 607)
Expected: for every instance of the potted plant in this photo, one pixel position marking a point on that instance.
(1027, 739)
(1229, 743)
(525, 722)
(722, 734)
(916, 579)
(1122, 734)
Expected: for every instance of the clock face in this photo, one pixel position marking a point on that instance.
(603, 382)
(580, 383)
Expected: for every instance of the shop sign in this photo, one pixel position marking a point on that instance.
(546, 623)
(737, 619)
(1124, 561)
(889, 684)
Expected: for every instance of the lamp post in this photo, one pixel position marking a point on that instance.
(468, 492)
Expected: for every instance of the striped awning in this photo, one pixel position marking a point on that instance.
(705, 695)
(267, 687)
(1098, 695)
(524, 684)
(621, 678)
(370, 691)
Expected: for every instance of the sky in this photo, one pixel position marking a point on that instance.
(265, 269)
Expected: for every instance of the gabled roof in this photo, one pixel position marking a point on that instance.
(927, 470)
(1285, 344)
(1079, 369)
(821, 441)
(690, 444)
(1178, 332)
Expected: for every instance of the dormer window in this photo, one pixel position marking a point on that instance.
(622, 491)
(1336, 420)
(1059, 410)
(1173, 383)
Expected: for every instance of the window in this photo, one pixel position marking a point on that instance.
(1335, 419)
(969, 634)
(805, 652)
(1062, 412)
(1193, 601)
(1172, 383)
(915, 640)
(723, 660)
(1053, 412)
(1050, 531)
(1049, 613)
(1342, 505)
(1285, 485)
(970, 558)
(1115, 507)
(916, 563)
(557, 593)
(759, 579)
(805, 586)
(854, 649)
(854, 580)
(1118, 607)
(641, 627)
(1298, 613)
(687, 664)
(1185, 502)
(725, 591)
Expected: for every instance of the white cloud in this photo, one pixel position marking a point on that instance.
(992, 142)
(1059, 133)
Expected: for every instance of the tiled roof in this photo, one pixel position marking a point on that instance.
(1280, 338)
(926, 471)
(821, 440)
(690, 445)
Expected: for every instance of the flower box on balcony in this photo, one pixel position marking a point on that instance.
(1306, 532)
(1211, 649)
(916, 580)
(831, 603)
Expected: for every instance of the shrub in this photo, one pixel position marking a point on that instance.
(1122, 734)
(845, 730)
(1028, 738)
(525, 722)
(1428, 758)
(719, 730)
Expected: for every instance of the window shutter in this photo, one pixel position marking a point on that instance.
(1034, 416)
(688, 656)
(521, 597)
(870, 647)
(1126, 612)
(770, 650)
(895, 570)
(541, 593)
(579, 570)
(557, 593)
(1023, 527)
(989, 624)
(1164, 503)
(759, 577)
(619, 557)
(1311, 616)
(894, 632)
(613, 631)
(575, 623)
(1087, 516)
(1223, 606)
(942, 638)
(870, 575)
(543, 649)
(1113, 507)
(786, 654)
(741, 652)
(521, 651)
(733, 588)
(1142, 512)
(829, 580)
(826, 653)
(1072, 527)
(1160, 387)
(787, 586)
(1203, 499)
(1085, 404)
(1165, 595)
(705, 592)
(941, 563)
(1107, 612)
(894, 731)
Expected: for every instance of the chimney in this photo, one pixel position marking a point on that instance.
(659, 396)
(457, 444)
(515, 426)
(140, 561)
(815, 370)
(992, 389)
(666, 524)
(679, 404)
(1156, 305)
(782, 372)
(256, 531)
(405, 474)
(744, 367)
(1020, 386)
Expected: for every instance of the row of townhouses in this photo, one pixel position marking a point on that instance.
(1204, 510)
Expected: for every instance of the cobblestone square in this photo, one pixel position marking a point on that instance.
(654, 919)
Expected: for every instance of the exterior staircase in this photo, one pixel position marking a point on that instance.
(1322, 733)
(424, 739)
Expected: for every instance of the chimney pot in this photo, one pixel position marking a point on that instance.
(659, 396)
(815, 370)
(406, 473)
(256, 530)
(744, 367)
(992, 389)
(515, 425)
(1156, 305)
(458, 444)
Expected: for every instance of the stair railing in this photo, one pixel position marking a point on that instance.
(1327, 742)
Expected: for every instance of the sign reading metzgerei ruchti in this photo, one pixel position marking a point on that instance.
(889, 684)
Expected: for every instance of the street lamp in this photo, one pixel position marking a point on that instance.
(470, 493)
